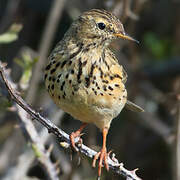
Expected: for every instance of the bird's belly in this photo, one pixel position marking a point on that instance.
(92, 94)
(98, 109)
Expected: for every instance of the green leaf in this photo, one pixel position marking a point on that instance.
(26, 62)
(8, 38)
(11, 35)
(25, 78)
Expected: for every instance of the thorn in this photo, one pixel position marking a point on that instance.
(115, 160)
(121, 165)
(38, 114)
(50, 131)
(134, 171)
(79, 143)
(109, 153)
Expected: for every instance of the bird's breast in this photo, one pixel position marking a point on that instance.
(89, 87)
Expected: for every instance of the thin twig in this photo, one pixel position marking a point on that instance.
(8, 17)
(37, 145)
(178, 140)
(20, 169)
(61, 135)
(45, 44)
(123, 9)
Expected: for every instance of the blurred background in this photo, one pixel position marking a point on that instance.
(29, 29)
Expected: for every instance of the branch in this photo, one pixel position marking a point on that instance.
(41, 153)
(45, 44)
(123, 9)
(19, 171)
(113, 163)
(9, 14)
(177, 143)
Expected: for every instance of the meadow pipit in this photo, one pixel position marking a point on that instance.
(84, 77)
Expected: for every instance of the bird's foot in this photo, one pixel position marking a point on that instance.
(76, 134)
(73, 136)
(102, 156)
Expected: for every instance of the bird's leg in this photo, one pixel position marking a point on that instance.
(102, 155)
(76, 134)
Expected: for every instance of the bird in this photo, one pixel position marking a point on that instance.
(84, 77)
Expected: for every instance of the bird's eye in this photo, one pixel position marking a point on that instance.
(101, 25)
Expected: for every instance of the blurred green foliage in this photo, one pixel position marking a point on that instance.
(11, 35)
(36, 150)
(8, 37)
(159, 48)
(5, 103)
(26, 63)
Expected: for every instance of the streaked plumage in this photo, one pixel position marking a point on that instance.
(84, 77)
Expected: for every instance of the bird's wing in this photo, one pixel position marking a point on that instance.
(133, 107)
(125, 76)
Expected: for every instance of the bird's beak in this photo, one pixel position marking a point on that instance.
(126, 36)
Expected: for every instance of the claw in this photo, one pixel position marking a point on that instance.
(76, 134)
(95, 159)
(103, 157)
(73, 135)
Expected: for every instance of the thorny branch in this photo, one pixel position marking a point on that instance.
(20, 169)
(42, 154)
(61, 135)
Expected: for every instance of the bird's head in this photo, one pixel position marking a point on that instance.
(100, 26)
